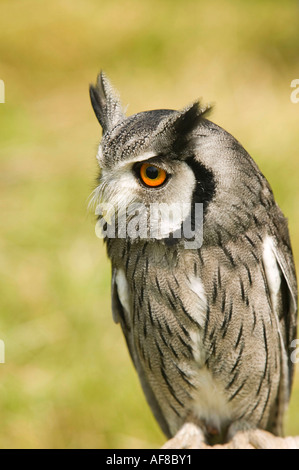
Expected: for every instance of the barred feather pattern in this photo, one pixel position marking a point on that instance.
(228, 342)
(209, 330)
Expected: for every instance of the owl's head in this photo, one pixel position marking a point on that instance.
(170, 157)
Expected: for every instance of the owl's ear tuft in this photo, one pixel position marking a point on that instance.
(176, 129)
(106, 103)
(189, 118)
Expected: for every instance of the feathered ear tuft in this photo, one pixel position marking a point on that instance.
(189, 118)
(106, 103)
(176, 129)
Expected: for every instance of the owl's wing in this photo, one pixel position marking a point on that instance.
(120, 315)
(288, 290)
(282, 284)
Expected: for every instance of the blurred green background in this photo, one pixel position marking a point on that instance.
(68, 380)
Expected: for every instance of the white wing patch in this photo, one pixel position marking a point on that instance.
(273, 276)
(123, 290)
(272, 270)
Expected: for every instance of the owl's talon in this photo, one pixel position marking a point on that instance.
(190, 436)
(259, 439)
(264, 440)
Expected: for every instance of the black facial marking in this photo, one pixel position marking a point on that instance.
(204, 188)
(203, 193)
(205, 182)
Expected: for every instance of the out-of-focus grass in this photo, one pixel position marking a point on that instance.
(68, 380)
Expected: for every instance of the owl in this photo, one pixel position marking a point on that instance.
(208, 316)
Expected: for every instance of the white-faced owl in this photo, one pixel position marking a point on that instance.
(208, 326)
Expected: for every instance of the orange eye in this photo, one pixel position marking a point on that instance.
(152, 175)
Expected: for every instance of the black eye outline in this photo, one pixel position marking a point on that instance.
(137, 169)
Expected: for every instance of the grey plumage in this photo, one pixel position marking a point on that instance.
(209, 330)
